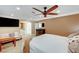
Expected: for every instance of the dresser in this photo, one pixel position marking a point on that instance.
(40, 31)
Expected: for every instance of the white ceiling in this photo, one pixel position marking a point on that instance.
(25, 12)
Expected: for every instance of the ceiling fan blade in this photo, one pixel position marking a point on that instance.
(38, 10)
(35, 13)
(38, 14)
(52, 8)
(52, 13)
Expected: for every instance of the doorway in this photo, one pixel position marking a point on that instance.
(28, 28)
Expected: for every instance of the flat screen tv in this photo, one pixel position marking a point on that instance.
(8, 22)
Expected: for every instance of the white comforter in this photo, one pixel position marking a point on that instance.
(48, 43)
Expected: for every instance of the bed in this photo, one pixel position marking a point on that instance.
(48, 43)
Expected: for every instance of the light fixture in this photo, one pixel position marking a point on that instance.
(18, 8)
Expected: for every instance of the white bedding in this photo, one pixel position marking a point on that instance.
(48, 43)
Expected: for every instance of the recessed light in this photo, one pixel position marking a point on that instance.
(18, 8)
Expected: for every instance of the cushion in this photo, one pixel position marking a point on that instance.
(15, 34)
(11, 35)
(74, 46)
(4, 35)
(74, 43)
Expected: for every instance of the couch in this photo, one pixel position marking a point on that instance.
(15, 34)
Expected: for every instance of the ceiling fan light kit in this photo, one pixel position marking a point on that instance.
(47, 11)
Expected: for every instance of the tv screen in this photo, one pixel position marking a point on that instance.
(8, 22)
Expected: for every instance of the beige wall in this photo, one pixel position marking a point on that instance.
(8, 29)
(62, 25)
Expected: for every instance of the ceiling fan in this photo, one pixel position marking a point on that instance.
(47, 12)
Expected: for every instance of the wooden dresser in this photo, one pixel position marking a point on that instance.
(40, 31)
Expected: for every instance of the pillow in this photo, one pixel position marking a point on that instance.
(74, 46)
(11, 35)
(73, 34)
(15, 34)
(74, 38)
(4, 35)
